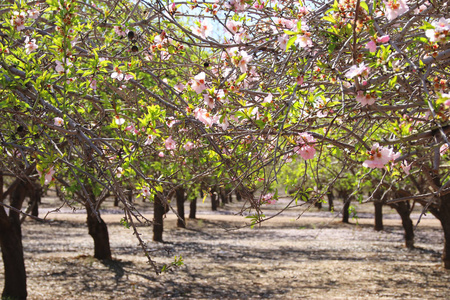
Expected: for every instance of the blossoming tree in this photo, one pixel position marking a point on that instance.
(99, 87)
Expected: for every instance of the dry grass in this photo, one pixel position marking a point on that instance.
(313, 257)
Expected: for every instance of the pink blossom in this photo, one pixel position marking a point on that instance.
(440, 31)
(304, 41)
(384, 39)
(30, 45)
(395, 8)
(48, 174)
(372, 46)
(258, 6)
(289, 24)
(58, 121)
(268, 198)
(93, 84)
(132, 129)
(443, 149)
(299, 80)
(240, 36)
(204, 30)
(379, 156)
(268, 98)
(242, 60)
(198, 83)
(18, 20)
(170, 143)
(209, 100)
(305, 147)
(171, 121)
(119, 172)
(188, 146)
(355, 71)
(224, 124)
(146, 191)
(421, 8)
(33, 13)
(282, 41)
(222, 96)
(118, 120)
(128, 77)
(117, 74)
(365, 99)
(149, 140)
(179, 87)
(172, 8)
(406, 167)
(233, 26)
(203, 116)
(118, 30)
(60, 66)
(161, 154)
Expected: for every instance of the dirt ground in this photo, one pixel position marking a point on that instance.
(314, 257)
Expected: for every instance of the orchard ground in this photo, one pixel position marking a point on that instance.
(313, 257)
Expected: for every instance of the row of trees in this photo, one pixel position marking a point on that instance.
(99, 95)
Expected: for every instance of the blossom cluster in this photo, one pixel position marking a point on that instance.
(440, 32)
(379, 156)
(305, 145)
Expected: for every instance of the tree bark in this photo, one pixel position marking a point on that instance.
(330, 197)
(345, 212)
(404, 210)
(238, 195)
(444, 217)
(181, 221)
(193, 207)
(214, 199)
(378, 204)
(159, 209)
(36, 200)
(11, 243)
(318, 204)
(223, 196)
(98, 230)
(229, 195)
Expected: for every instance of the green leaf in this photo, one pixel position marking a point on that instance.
(291, 42)
(242, 77)
(364, 5)
(329, 19)
(289, 32)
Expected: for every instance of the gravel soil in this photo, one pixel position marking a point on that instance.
(313, 257)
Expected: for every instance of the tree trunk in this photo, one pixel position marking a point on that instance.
(318, 204)
(181, 221)
(11, 243)
(98, 229)
(193, 207)
(36, 200)
(444, 217)
(330, 197)
(214, 199)
(159, 209)
(346, 213)
(130, 194)
(116, 201)
(378, 204)
(238, 195)
(404, 210)
(229, 195)
(223, 196)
